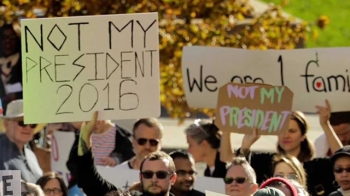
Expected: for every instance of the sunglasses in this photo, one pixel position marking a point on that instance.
(340, 170)
(183, 173)
(288, 176)
(143, 141)
(239, 180)
(54, 191)
(21, 124)
(159, 174)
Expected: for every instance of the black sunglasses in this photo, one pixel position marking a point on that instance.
(340, 170)
(183, 173)
(143, 141)
(21, 124)
(239, 180)
(159, 174)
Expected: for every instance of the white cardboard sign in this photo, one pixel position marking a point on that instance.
(313, 75)
(10, 182)
(73, 66)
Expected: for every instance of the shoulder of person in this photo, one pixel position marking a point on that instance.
(336, 193)
(194, 192)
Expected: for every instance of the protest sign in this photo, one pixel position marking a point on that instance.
(311, 74)
(241, 107)
(10, 182)
(73, 66)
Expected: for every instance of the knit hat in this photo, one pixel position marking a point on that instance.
(345, 151)
(268, 191)
(287, 183)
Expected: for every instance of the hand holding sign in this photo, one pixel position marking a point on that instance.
(241, 107)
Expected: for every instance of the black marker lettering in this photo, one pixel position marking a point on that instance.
(137, 61)
(59, 47)
(6, 185)
(306, 72)
(317, 83)
(237, 77)
(280, 60)
(41, 44)
(335, 79)
(82, 66)
(145, 31)
(210, 80)
(151, 53)
(122, 63)
(131, 22)
(198, 84)
(28, 69)
(121, 95)
(96, 70)
(88, 95)
(107, 89)
(65, 100)
(108, 56)
(59, 64)
(78, 24)
(48, 63)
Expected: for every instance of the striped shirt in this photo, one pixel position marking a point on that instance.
(103, 145)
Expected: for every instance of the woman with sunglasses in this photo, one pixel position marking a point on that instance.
(240, 179)
(294, 142)
(203, 140)
(341, 169)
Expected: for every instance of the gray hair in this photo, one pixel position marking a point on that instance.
(245, 164)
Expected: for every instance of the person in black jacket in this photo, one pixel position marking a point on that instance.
(186, 174)
(341, 169)
(157, 170)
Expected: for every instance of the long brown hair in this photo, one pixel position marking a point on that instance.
(294, 163)
(307, 149)
(52, 175)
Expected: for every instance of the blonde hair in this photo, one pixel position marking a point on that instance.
(294, 163)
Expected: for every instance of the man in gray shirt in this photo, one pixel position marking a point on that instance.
(14, 154)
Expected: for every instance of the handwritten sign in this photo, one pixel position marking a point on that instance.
(77, 65)
(312, 74)
(10, 182)
(244, 106)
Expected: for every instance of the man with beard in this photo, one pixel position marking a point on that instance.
(147, 135)
(157, 170)
(186, 174)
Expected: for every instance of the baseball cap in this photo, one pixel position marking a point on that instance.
(345, 151)
(268, 191)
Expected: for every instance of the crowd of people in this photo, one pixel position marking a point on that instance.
(298, 167)
(294, 169)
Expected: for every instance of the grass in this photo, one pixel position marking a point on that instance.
(336, 33)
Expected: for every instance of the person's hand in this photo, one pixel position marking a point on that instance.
(324, 113)
(109, 161)
(250, 139)
(85, 135)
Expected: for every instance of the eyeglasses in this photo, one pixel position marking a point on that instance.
(239, 180)
(340, 170)
(289, 176)
(183, 173)
(54, 191)
(21, 124)
(159, 174)
(143, 141)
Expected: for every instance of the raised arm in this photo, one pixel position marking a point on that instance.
(332, 139)
(88, 178)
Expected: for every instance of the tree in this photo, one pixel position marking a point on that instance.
(182, 23)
